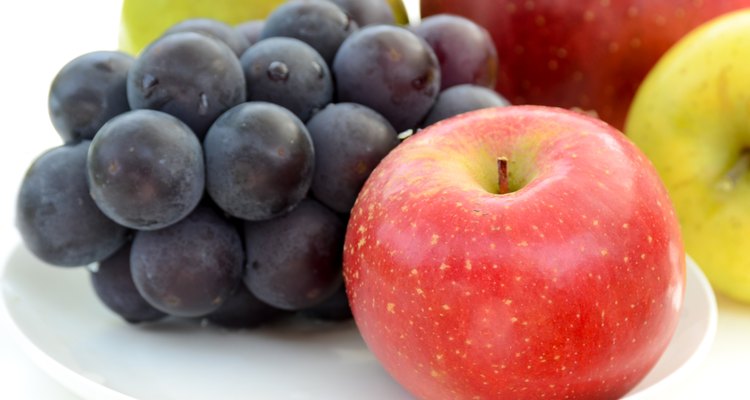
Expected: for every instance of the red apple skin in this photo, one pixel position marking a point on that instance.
(569, 287)
(586, 54)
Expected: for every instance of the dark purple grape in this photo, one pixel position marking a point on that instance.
(390, 70)
(243, 310)
(464, 49)
(250, 30)
(87, 92)
(321, 24)
(190, 268)
(214, 28)
(287, 72)
(463, 98)
(349, 141)
(259, 161)
(334, 308)
(294, 261)
(145, 169)
(367, 12)
(113, 284)
(55, 215)
(188, 75)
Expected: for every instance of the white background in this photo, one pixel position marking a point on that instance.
(38, 37)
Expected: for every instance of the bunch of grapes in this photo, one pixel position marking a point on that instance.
(212, 176)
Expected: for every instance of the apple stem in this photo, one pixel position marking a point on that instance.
(502, 175)
(740, 167)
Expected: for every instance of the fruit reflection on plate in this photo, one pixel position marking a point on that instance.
(59, 323)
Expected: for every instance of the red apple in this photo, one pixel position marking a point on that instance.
(588, 54)
(564, 280)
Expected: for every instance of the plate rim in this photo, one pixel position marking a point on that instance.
(704, 347)
(88, 388)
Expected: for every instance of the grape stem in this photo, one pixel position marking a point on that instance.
(502, 175)
(740, 167)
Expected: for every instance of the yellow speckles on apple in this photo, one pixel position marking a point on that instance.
(650, 239)
(625, 226)
(446, 307)
(420, 291)
(643, 256)
(414, 272)
(540, 20)
(573, 155)
(404, 208)
(434, 239)
(413, 225)
(595, 222)
(361, 243)
(444, 266)
(391, 308)
(522, 244)
(513, 319)
(508, 228)
(467, 265)
(604, 252)
(493, 246)
(626, 259)
(361, 229)
(507, 302)
(434, 373)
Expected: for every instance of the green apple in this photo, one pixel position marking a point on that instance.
(691, 116)
(142, 21)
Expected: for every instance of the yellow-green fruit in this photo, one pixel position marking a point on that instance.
(142, 21)
(691, 117)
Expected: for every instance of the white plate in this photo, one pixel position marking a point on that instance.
(68, 334)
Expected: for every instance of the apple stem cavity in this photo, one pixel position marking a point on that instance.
(740, 167)
(502, 175)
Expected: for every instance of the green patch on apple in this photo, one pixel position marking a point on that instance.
(691, 117)
(142, 21)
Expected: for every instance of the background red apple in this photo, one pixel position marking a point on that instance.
(589, 54)
(567, 286)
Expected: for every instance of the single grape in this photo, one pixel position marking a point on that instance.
(145, 169)
(243, 310)
(87, 92)
(367, 12)
(463, 98)
(259, 161)
(55, 215)
(287, 72)
(214, 28)
(188, 75)
(294, 261)
(113, 285)
(321, 24)
(250, 30)
(190, 268)
(465, 50)
(349, 141)
(334, 308)
(390, 70)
